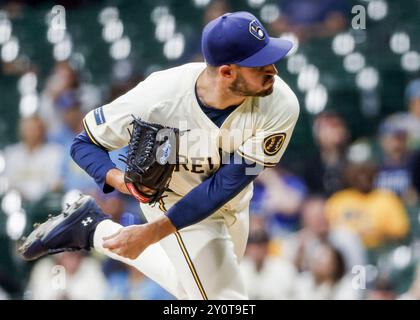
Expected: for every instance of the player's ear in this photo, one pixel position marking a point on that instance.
(226, 71)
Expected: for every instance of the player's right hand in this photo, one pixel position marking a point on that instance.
(115, 178)
(131, 241)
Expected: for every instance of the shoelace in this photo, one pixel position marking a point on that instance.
(149, 146)
(135, 138)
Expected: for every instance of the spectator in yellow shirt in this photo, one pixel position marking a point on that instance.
(377, 215)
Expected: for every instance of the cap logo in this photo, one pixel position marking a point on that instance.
(256, 30)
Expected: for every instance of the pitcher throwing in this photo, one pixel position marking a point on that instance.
(225, 120)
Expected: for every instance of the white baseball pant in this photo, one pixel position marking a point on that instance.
(198, 262)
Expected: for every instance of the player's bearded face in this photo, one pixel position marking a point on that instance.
(256, 82)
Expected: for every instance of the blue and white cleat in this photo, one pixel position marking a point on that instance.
(71, 230)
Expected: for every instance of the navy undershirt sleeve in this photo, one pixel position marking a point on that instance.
(211, 194)
(92, 159)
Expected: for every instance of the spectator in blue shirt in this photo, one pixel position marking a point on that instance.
(312, 18)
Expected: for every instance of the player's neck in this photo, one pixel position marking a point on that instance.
(211, 93)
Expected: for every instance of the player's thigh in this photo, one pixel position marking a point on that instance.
(239, 231)
(203, 255)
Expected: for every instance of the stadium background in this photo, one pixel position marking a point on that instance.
(355, 87)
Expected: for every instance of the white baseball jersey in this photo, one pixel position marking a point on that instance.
(259, 129)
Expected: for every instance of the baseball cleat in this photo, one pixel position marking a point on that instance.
(71, 230)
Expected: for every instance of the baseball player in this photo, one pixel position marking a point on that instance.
(237, 116)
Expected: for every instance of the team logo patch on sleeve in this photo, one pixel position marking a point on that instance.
(273, 143)
(99, 116)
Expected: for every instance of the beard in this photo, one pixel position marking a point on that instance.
(239, 87)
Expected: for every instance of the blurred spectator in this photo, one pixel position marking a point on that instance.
(32, 165)
(14, 8)
(376, 215)
(327, 279)
(63, 78)
(411, 119)
(213, 10)
(115, 205)
(382, 289)
(312, 18)
(316, 231)
(414, 292)
(67, 276)
(70, 116)
(111, 203)
(127, 283)
(278, 195)
(323, 172)
(394, 168)
(266, 277)
(121, 86)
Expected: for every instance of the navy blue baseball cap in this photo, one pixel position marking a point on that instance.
(239, 38)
